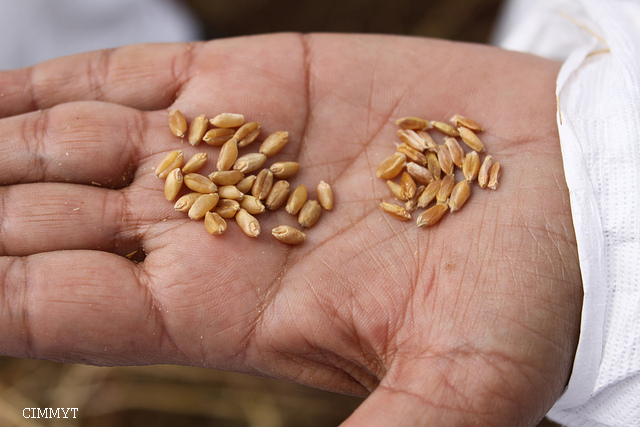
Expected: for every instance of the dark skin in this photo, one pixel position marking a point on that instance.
(472, 321)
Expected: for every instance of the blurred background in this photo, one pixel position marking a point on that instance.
(175, 395)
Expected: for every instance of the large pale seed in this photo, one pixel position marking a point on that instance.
(197, 129)
(431, 215)
(297, 198)
(391, 166)
(218, 136)
(289, 235)
(310, 213)
(446, 186)
(284, 170)
(455, 151)
(250, 162)
(396, 190)
(252, 205)
(245, 183)
(262, 184)
(459, 120)
(228, 155)
(226, 177)
(227, 208)
(185, 202)
(396, 211)
(195, 163)
(471, 139)
(248, 224)
(230, 192)
(408, 185)
(227, 120)
(278, 195)
(203, 205)
(434, 165)
(199, 183)
(325, 195)
(177, 123)
(445, 128)
(170, 162)
(485, 170)
(412, 154)
(459, 195)
(172, 184)
(247, 133)
(274, 143)
(429, 194)
(412, 123)
(494, 176)
(445, 161)
(471, 166)
(214, 223)
(412, 139)
(419, 173)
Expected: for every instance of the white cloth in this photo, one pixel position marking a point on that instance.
(598, 89)
(35, 30)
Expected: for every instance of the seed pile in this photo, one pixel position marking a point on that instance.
(241, 187)
(427, 169)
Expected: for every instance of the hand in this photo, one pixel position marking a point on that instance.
(473, 320)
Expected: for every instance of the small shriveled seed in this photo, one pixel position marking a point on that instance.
(285, 170)
(396, 190)
(230, 192)
(170, 162)
(297, 198)
(459, 120)
(446, 186)
(396, 211)
(172, 184)
(434, 165)
(485, 170)
(408, 185)
(185, 202)
(227, 208)
(278, 195)
(419, 173)
(177, 123)
(431, 215)
(247, 133)
(412, 154)
(459, 195)
(226, 177)
(248, 224)
(412, 139)
(245, 183)
(310, 213)
(228, 155)
(227, 120)
(494, 176)
(428, 139)
(445, 128)
(412, 123)
(202, 205)
(471, 139)
(429, 194)
(218, 136)
(455, 151)
(197, 129)
(325, 195)
(214, 223)
(274, 143)
(195, 163)
(262, 184)
(471, 166)
(250, 162)
(412, 204)
(199, 183)
(289, 235)
(391, 166)
(444, 158)
(252, 205)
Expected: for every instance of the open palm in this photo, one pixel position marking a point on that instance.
(474, 320)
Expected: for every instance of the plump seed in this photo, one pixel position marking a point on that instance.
(494, 176)
(248, 224)
(170, 162)
(226, 177)
(325, 195)
(431, 215)
(459, 120)
(471, 139)
(274, 143)
(412, 123)
(228, 155)
(252, 205)
(428, 139)
(444, 159)
(485, 170)
(214, 223)
(471, 166)
(245, 183)
(195, 163)
(262, 184)
(177, 123)
(455, 151)
(199, 183)
(230, 192)
(185, 202)
(419, 173)
(297, 198)
(459, 195)
(218, 136)
(278, 195)
(434, 165)
(412, 204)
(408, 185)
(247, 133)
(250, 162)
(285, 170)
(227, 208)
(396, 190)
(391, 166)
(446, 186)
(227, 120)
(412, 139)
(197, 129)
(289, 235)
(172, 184)
(396, 211)
(203, 205)
(310, 213)
(412, 154)
(429, 194)
(445, 128)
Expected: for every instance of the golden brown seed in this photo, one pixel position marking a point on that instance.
(485, 170)
(325, 195)
(471, 139)
(419, 173)
(274, 143)
(228, 155)
(289, 235)
(246, 183)
(296, 200)
(227, 120)
(444, 158)
(172, 184)
(396, 190)
(408, 185)
(434, 165)
(455, 151)
(226, 177)
(177, 123)
(199, 183)
(170, 162)
(197, 129)
(310, 213)
(428, 139)
(185, 202)
(396, 211)
(252, 205)
(412, 123)
(459, 120)
(214, 223)
(227, 208)
(250, 162)
(471, 166)
(391, 166)
(412, 139)
(195, 163)
(203, 205)
(218, 136)
(284, 170)
(230, 192)
(248, 224)
(262, 184)
(459, 195)
(412, 204)
(494, 176)
(278, 195)
(247, 133)
(431, 215)
(429, 194)
(412, 154)
(446, 186)
(445, 128)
